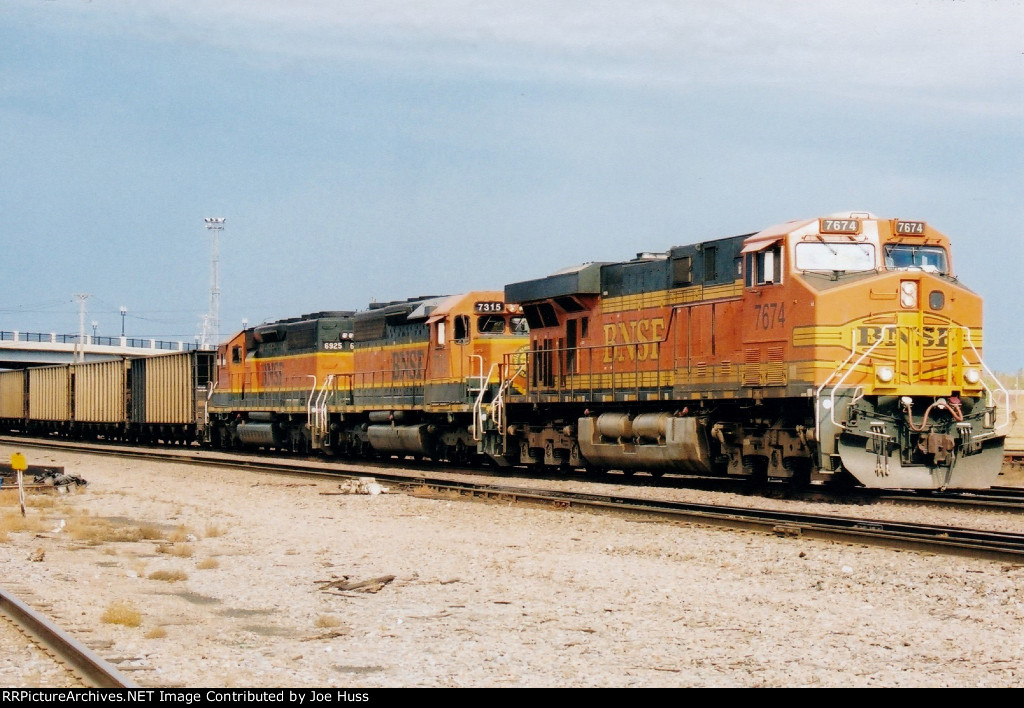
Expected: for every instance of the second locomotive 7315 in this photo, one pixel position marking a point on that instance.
(400, 378)
(807, 350)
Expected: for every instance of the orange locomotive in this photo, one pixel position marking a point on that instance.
(808, 350)
(404, 378)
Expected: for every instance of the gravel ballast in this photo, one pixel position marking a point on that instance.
(251, 580)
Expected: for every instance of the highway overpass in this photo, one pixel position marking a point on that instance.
(23, 349)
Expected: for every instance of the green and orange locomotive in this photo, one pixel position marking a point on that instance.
(409, 378)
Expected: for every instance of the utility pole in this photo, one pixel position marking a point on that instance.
(211, 323)
(80, 344)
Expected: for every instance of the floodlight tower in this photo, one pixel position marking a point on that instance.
(211, 323)
(79, 354)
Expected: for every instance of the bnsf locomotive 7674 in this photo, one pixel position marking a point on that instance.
(838, 348)
(809, 350)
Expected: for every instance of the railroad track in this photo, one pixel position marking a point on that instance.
(932, 538)
(1010, 499)
(936, 539)
(1005, 498)
(88, 669)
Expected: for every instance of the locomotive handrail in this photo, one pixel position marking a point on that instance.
(480, 376)
(309, 403)
(851, 368)
(981, 363)
(832, 393)
(210, 386)
(476, 429)
(498, 404)
(481, 382)
(320, 411)
(415, 382)
(552, 370)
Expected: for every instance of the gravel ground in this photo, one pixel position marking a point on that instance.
(225, 571)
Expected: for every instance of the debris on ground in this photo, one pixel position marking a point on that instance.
(346, 585)
(361, 485)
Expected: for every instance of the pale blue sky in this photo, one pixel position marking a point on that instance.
(380, 150)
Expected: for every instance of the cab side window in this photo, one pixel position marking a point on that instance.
(460, 332)
(764, 267)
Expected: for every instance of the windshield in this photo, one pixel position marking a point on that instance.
(927, 258)
(835, 256)
(495, 324)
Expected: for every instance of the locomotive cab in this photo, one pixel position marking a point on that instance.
(887, 343)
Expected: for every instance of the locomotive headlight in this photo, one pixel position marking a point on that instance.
(972, 376)
(908, 293)
(884, 374)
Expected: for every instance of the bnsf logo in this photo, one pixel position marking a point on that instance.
(407, 365)
(929, 336)
(641, 337)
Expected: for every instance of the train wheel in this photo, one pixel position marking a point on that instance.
(755, 468)
(457, 453)
(801, 471)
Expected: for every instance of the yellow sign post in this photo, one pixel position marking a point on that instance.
(18, 465)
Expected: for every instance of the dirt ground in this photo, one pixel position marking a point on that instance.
(191, 576)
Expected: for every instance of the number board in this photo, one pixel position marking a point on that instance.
(913, 228)
(489, 308)
(839, 226)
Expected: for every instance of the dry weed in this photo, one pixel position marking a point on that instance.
(208, 564)
(170, 576)
(121, 612)
(181, 533)
(42, 501)
(327, 621)
(95, 531)
(181, 550)
(156, 633)
(14, 522)
(151, 532)
(34, 498)
(213, 530)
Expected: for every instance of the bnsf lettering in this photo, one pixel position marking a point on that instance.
(273, 374)
(930, 336)
(406, 365)
(645, 335)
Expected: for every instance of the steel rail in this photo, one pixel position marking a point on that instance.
(927, 537)
(950, 540)
(94, 671)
